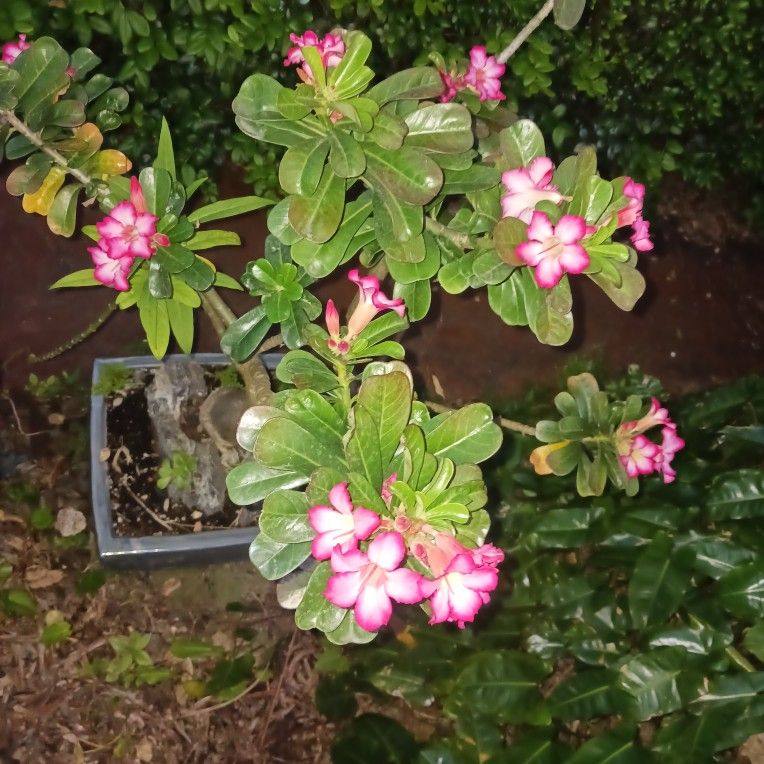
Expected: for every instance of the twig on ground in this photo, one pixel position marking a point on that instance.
(169, 525)
(218, 706)
(261, 740)
(16, 417)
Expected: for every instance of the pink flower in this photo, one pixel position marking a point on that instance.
(331, 48)
(671, 443)
(371, 300)
(484, 75)
(487, 554)
(340, 525)
(452, 85)
(461, 591)
(639, 456)
(333, 327)
(640, 238)
(526, 187)
(13, 49)
(368, 582)
(554, 250)
(386, 493)
(635, 193)
(128, 230)
(109, 269)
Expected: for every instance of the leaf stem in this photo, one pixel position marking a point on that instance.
(20, 127)
(462, 240)
(507, 424)
(525, 32)
(738, 659)
(83, 335)
(344, 379)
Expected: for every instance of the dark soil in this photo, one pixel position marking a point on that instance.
(134, 463)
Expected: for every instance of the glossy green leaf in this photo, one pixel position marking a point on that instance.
(741, 591)
(314, 610)
(346, 156)
(284, 444)
(616, 747)
(406, 174)
(304, 370)
(588, 694)
(418, 83)
(156, 324)
(567, 13)
(284, 517)
(317, 217)
(443, 128)
(302, 166)
(521, 143)
(76, 279)
(250, 482)
(274, 560)
(417, 295)
(467, 436)
(211, 239)
(244, 335)
(737, 495)
(165, 159)
(228, 208)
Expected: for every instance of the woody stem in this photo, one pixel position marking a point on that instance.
(525, 32)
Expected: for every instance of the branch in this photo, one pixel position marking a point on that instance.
(525, 32)
(83, 335)
(507, 424)
(20, 127)
(462, 240)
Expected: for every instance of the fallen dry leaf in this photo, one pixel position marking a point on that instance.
(169, 586)
(70, 522)
(38, 577)
(56, 419)
(144, 751)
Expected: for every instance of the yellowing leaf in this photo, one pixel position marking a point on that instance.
(109, 162)
(41, 200)
(540, 455)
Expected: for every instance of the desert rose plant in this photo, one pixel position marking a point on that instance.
(370, 495)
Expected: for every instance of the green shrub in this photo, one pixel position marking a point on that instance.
(663, 85)
(626, 629)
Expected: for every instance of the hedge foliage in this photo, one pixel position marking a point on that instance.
(659, 85)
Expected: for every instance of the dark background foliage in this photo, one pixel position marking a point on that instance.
(658, 85)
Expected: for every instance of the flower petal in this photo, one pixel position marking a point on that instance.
(373, 608)
(344, 562)
(540, 227)
(548, 272)
(365, 522)
(339, 497)
(343, 589)
(387, 550)
(124, 213)
(570, 229)
(574, 258)
(403, 586)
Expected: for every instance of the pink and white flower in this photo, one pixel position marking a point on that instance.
(13, 49)
(371, 300)
(452, 84)
(368, 582)
(635, 193)
(109, 269)
(639, 456)
(128, 230)
(336, 344)
(671, 443)
(487, 554)
(484, 74)
(554, 250)
(461, 591)
(331, 48)
(526, 187)
(340, 525)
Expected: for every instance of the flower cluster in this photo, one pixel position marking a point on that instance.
(126, 233)
(555, 250)
(483, 77)
(371, 300)
(13, 49)
(631, 215)
(370, 580)
(331, 48)
(641, 456)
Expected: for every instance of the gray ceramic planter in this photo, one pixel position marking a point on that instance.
(146, 552)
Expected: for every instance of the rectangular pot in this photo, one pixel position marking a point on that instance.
(148, 552)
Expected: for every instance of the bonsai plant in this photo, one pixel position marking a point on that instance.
(423, 178)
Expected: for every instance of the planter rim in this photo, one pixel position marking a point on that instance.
(222, 545)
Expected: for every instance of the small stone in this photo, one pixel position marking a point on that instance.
(104, 454)
(56, 419)
(117, 401)
(197, 526)
(196, 515)
(70, 522)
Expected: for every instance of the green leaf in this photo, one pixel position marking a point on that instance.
(257, 114)
(754, 640)
(55, 633)
(737, 495)
(275, 560)
(186, 647)
(350, 76)
(211, 239)
(347, 158)
(443, 128)
(661, 577)
(406, 174)
(156, 324)
(588, 694)
(387, 398)
(174, 258)
(349, 632)
(521, 143)
(408, 273)
(317, 217)
(42, 76)
(302, 167)
(567, 13)
(160, 283)
(566, 528)
(616, 747)
(62, 215)
(284, 444)
(304, 370)
(418, 83)
(244, 335)
(659, 682)
(396, 221)
(284, 517)
(505, 682)
(17, 602)
(165, 159)
(507, 234)
(363, 448)
(228, 208)
(631, 288)
(181, 323)
(741, 591)
(81, 278)
(417, 295)
(467, 436)
(250, 482)
(314, 610)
